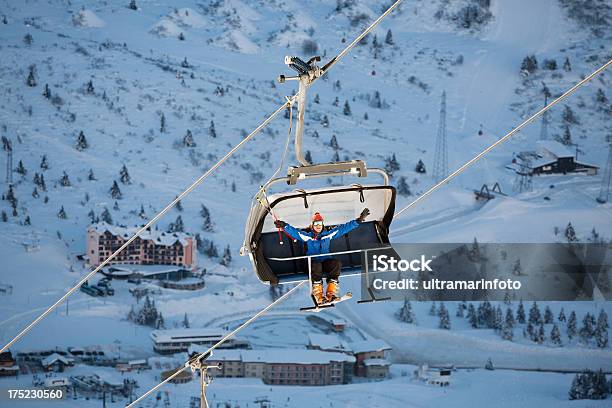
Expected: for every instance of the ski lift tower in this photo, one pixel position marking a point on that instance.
(441, 156)
(604, 192)
(7, 146)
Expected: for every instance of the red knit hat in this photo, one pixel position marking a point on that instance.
(317, 217)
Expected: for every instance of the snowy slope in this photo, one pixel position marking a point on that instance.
(234, 49)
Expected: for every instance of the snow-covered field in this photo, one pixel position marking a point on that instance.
(200, 62)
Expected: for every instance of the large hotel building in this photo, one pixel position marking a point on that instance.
(151, 248)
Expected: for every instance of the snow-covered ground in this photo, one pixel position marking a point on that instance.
(233, 50)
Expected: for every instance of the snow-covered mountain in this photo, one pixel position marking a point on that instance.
(136, 82)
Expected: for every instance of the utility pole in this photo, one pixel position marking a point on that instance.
(545, 121)
(440, 170)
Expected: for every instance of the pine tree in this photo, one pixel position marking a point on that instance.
(186, 322)
(92, 216)
(47, 92)
(529, 64)
(432, 309)
(336, 102)
(601, 337)
(333, 143)
(212, 251)
(403, 188)
(389, 38)
(308, 156)
(506, 332)
(472, 316)
(317, 99)
(566, 65)
(42, 184)
(115, 191)
(391, 164)
(181, 37)
(420, 167)
(600, 97)
(520, 313)
(535, 316)
(211, 130)
(570, 234)
(226, 259)
(65, 181)
(561, 317)
(567, 136)
(4, 216)
(555, 335)
(116, 206)
(142, 214)
(27, 220)
(517, 269)
(572, 325)
(35, 193)
(162, 124)
(587, 330)
(188, 139)
(31, 80)
(81, 143)
(106, 216)
(90, 87)
(207, 224)
(444, 318)
(541, 335)
(28, 39)
(325, 121)
(548, 316)
(531, 331)
(21, 168)
(335, 158)
(62, 213)
(177, 226)
(510, 318)
(133, 5)
(489, 364)
(460, 310)
(498, 319)
(569, 117)
(406, 314)
(44, 164)
(124, 175)
(347, 109)
(602, 320)
(185, 63)
(178, 205)
(91, 175)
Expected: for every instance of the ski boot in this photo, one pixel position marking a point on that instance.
(317, 292)
(332, 290)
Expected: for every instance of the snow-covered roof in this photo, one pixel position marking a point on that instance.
(337, 322)
(542, 162)
(369, 345)
(53, 358)
(186, 335)
(278, 356)
(554, 148)
(57, 382)
(376, 362)
(327, 342)
(159, 237)
(137, 362)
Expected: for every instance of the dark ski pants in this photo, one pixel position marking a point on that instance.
(331, 267)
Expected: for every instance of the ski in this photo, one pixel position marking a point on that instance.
(325, 305)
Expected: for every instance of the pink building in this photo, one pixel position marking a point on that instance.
(150, 248)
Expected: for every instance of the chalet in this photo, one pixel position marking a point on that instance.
(552, 157)
(8, 366)
(56, 362)
(376, 367)
(370, 350)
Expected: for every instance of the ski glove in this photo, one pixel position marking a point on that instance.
(279, 223)
(363, 215)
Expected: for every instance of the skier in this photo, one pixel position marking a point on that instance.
(317, 242)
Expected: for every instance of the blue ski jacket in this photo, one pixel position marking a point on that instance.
(319, 243)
